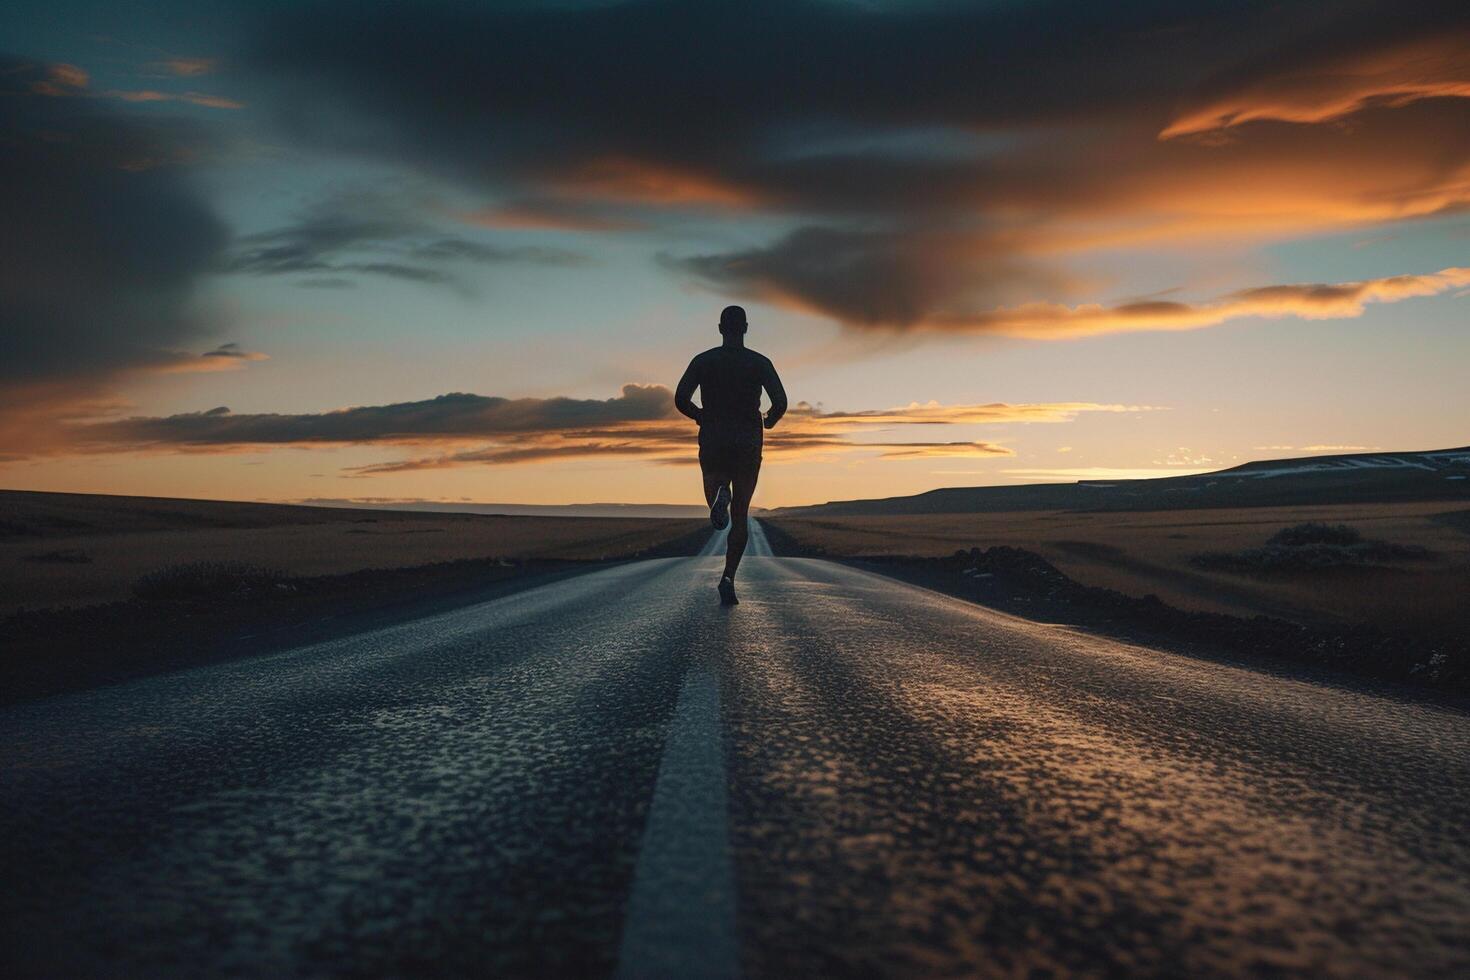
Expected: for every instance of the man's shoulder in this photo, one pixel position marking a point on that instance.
(722, 355)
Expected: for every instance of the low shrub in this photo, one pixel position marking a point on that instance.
(211, 580)
(1005, 577)
(1314, 532)
(64, 556)
(1312, 546)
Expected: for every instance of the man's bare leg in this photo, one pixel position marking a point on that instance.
(743, 490)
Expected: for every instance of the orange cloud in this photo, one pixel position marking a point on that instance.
(36, 417)
(1437, 67)
(928, 450)
(628, 181)
(475, 430)
(1056, 321)
(45, 417)
(61, 80)
(193, 98)
(1307, 301)
(1092, 473)
(187, 67)
(544, 216)
(225, 357)
(672, 446)
(933, 413)
(1116, 188)
(64, 80)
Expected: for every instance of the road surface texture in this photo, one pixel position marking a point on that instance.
(843, 776)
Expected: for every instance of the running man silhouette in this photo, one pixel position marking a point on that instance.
(730, 378)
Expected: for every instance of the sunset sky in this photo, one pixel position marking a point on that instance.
(463, 251)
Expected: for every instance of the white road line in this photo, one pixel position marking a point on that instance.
(681, 914)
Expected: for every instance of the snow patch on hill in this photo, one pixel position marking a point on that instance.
(1431, 462)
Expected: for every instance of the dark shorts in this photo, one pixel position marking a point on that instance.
(730, 447)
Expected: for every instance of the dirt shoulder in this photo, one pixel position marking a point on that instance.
(1024, 583)
(1159, 552)
(52, 651)
(60, 549)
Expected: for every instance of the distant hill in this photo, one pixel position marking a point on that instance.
(1442, 474)
(35, 513)
(520, 510)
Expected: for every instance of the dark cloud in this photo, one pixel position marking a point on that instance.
(225, 357)
(762, 100)
(104, 239)
(908, 141)
(452, 416)
(375, 232)
(671, 80)
(480, 430)
(892, 278)
(104, 243)
(671, 103)
(449, 249)
(919, 291)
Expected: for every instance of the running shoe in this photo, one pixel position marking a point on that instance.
(727, 592)
(719, 511)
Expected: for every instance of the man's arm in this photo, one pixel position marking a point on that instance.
(684, 394)
(772, 383)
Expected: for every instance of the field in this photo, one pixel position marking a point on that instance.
(81, 549)
(1151, 552)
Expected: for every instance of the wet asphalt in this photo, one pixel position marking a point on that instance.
(842, 776)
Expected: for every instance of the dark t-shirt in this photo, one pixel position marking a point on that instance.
(730, 382)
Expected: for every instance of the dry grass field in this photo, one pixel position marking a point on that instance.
(1150, 552)
(80, 549)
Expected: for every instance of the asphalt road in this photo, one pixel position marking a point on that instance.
(845, 775)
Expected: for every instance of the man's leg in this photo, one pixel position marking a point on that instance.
(743, 490)
(713, 480)
(716, 492)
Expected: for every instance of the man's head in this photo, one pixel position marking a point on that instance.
(732, 320)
